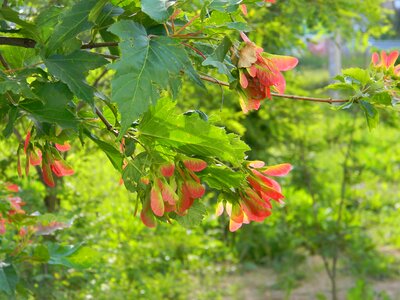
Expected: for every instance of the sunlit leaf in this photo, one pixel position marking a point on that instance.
(146, 63)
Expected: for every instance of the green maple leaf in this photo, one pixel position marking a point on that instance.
(52, 105)
(189, 134)
(15, 86)
(158, 10)
(217, 58)
(194, 217)
(72, 23)
(147, 63)
(72, 69)
(8, 279)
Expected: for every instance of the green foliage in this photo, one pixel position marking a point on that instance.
(52, 105)
(217, 58)
(76, 257)
(112, 153)
(361, 291)
(159, 10)
(73, 22)
(194, 217)
(8, 279)
(189, 134)
(147, 63)
(72, 69)
(370, 88)
(56, 87)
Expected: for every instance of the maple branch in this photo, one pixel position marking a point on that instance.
(29, 43)
(294, 97)
(99, 45)
(312, 99)
(213, 80)
(105, 121)
(98, 112)
(16, 41)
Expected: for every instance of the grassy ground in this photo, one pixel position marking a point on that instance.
(261, 284)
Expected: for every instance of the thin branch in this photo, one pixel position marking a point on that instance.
(195, 50)
(166, 28)
(105, 121)
(192, 36)
(108, 125)
(23, 68)
(4, 63)
(187, 24)
(109, 56)
(29, 43)
(96, 82)
(99, 45)
(213, 80)
(19, 42)
(172, 19)
(294, 97)
(312, 99)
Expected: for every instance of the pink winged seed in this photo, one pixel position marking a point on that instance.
(12, 187)
(196, 190)
(195, 164)
(168, 194)
(35, 159)
(167, 170)
(243, 80)
(257, 164)
(375, 59)
(249, 104)
(47, 175)
(27, 140)
(233, 226)
(278, 170)
(186, 200)
(156, 202)
(61, 168)
(283, 63)
(219, 209)
(391, 58)
(147, 218)
(237, 214)
(64, 147)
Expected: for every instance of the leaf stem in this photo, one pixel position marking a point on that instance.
(22, 68)
(166, 28)
(195, 50)
(187, 24)
(99, 45)
(4, 63)
(109, 56)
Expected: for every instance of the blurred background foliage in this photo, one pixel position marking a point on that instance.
(338, 234)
